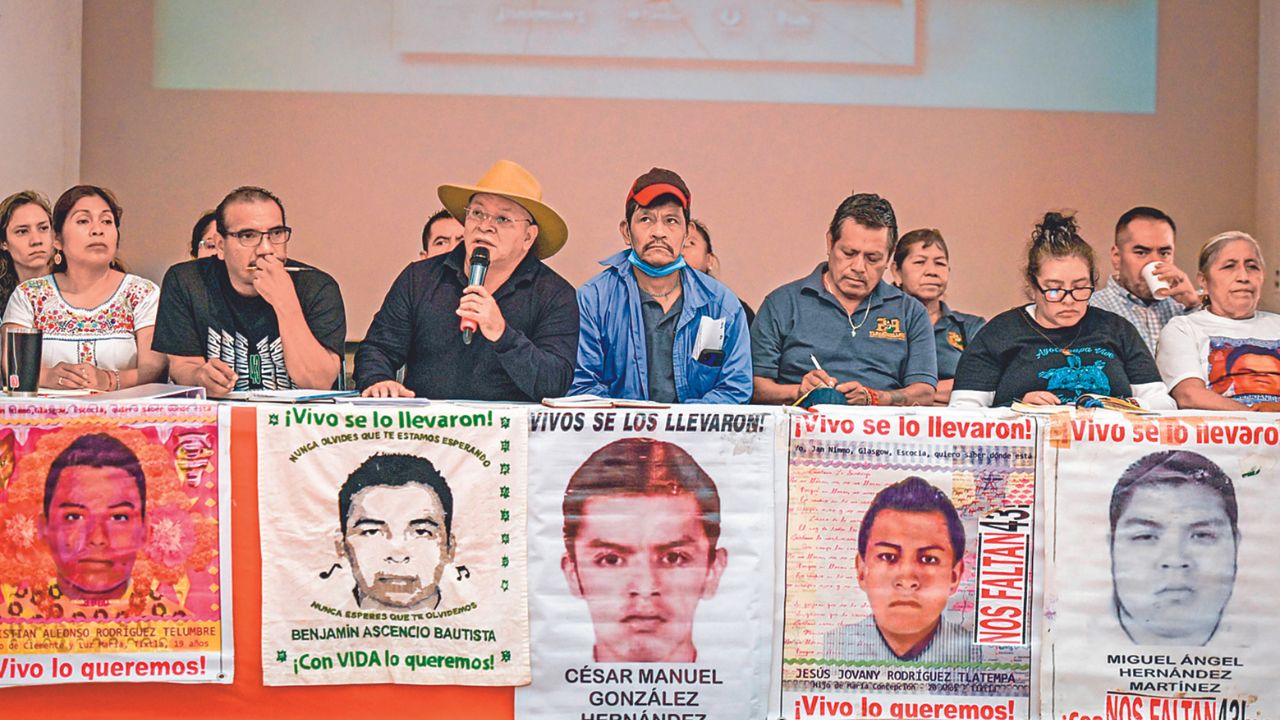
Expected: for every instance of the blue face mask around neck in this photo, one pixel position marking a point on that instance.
(652, 271)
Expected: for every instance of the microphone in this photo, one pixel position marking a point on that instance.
(479, 268)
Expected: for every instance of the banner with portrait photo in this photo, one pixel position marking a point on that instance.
(910, 565)
(393, 544)
(1161, 595)
(115, 562)
(652, 562)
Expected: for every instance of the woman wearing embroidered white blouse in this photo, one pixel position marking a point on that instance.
(1226, 356)
(97, 320)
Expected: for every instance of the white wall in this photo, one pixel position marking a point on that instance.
(358, 173)
(40, 44)
(1268, 197)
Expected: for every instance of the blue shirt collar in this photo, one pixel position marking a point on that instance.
(946, 313)
(691, 285)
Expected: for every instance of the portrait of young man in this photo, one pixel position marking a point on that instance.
(95, 504)
(396, 531)
(641, 527)
(1174, 543)
(910, 562)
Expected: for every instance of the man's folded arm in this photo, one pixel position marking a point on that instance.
(541, 363)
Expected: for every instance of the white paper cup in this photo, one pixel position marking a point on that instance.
(1153, 282)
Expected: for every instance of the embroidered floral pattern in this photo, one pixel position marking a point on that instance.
(55, 317)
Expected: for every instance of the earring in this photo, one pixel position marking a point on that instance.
(57, 257)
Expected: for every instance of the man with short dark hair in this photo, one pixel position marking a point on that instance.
(842, 327)
(641, 525)
(440, 235)
(653, 328)
(251, 318)
(524, 314)
(396, 518)
(1174, 539)
(910, 562)
(1145, 235)
(95, 517)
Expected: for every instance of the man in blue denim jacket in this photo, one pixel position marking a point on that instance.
(652, 327)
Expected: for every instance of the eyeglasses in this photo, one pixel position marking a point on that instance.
(251, 238)
(1055, 295)
(480, 217)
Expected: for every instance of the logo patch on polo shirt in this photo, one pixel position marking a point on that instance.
(888, 329)
(955, 340)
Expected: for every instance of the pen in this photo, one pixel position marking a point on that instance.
(287, 268)
(818, 367)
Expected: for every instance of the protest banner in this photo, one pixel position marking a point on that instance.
(114, 544)
(652, 562)
(1160, 597)
(393, 544)
(910, 566)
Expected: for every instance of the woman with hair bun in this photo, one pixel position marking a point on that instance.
(1058, 348)
(1226, 356)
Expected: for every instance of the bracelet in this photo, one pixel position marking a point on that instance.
(115, 379)
(872, 398)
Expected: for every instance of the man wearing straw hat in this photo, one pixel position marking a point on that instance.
(526, 315)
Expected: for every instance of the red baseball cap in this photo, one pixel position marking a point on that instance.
(655, 183)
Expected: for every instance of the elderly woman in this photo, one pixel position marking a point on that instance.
(26, 240)
(922, 266)
(1224, 356)
(97, 320)
(204, 236)
(1058, 348)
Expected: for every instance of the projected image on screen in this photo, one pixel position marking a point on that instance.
(853, 32)
(1089, 55)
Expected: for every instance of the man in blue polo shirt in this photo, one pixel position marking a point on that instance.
(652, 327)
(842, 327)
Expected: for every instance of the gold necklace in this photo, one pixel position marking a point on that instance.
(853, 329)
(1065, 350)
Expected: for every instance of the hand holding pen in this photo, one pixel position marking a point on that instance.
(817, 377)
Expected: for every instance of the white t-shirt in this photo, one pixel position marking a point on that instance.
(1238, 359)
(102, 336)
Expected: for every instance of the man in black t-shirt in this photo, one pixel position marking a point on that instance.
(249, 318)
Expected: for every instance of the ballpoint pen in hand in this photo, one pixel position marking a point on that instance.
(818, 367)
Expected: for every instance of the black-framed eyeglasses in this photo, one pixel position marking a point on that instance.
(1055, 295)
(480, 217)
(251, 238)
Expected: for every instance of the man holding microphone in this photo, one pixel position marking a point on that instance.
(522, 316)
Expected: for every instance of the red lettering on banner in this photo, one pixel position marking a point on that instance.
(1002, 581)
